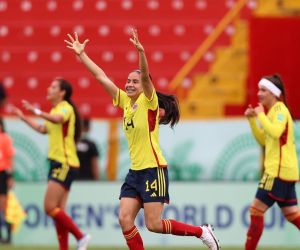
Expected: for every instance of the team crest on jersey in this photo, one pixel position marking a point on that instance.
(64, 110)
(134, 107)
(280, 117)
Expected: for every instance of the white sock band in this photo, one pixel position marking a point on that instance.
(270, 86)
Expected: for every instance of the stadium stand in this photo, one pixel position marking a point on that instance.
(32, 51)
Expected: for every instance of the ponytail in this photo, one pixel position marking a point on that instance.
(171, 107)
(67, 87)
(276, 80)
(2, 127)
(169, 103)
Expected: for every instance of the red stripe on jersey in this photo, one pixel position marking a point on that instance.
(152, 119)
(282, 142)
(65, 128)
(284, 136)
(151, 125)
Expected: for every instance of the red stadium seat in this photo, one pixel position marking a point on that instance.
(32, 50)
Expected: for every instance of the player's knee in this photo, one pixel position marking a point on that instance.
(125, 219)
(52, 211)
(49, 206)
(154, 226)
(256, 212)
(256, 222)
(150, 226)
(48, 210)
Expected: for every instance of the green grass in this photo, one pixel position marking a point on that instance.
(5, 247)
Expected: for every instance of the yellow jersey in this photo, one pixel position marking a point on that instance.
(62, 147)
(276, 134)
(141, 128)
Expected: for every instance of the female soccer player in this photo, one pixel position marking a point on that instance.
(276, 134)
(146, 184)
(7, 152)
(63, 126)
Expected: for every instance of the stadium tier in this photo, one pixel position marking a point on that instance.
(32, 50)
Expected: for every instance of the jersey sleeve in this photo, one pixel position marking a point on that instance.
(65, 111)
(120, 99)
(151, 103)
(275, 128)
(257, 131)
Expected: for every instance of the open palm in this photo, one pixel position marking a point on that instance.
(75, 45)
(135, 40)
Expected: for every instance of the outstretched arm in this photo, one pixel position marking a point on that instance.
(36, 126)
(145, 77)
(74, 44)
(49, 117)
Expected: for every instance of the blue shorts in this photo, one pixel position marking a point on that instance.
(272, 189)
(148, 185)
(62, 173)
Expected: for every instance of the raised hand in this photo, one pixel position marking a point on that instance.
(75, 45)
(135, 40)
(259, 108)
(18, 112)
(250, 112)
(28, 106)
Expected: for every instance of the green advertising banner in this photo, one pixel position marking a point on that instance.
(195, 150)
(94, 207)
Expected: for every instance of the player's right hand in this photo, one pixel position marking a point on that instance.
(250, 112)
(74, 44)
(18, 112)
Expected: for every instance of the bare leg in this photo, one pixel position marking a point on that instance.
(129, 207)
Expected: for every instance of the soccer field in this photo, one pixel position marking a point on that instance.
(3, 247)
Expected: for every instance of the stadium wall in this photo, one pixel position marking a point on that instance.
(274, 48)
(195, 150)
(94, 207)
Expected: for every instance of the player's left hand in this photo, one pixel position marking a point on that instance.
(28, 106)
(18, 112)
(259, 108)
(135, 40)
(249, 112)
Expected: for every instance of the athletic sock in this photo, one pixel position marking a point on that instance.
(133, 239)
(296, 222)
(256, 228)
(62, 236)
(294, 218)
(178, 228)
(60, 217)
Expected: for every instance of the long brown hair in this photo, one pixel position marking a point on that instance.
(2, 127)
(67, 87)
(170, 104)
(277, 81)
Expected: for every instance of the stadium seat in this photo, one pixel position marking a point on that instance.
(32, 51)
